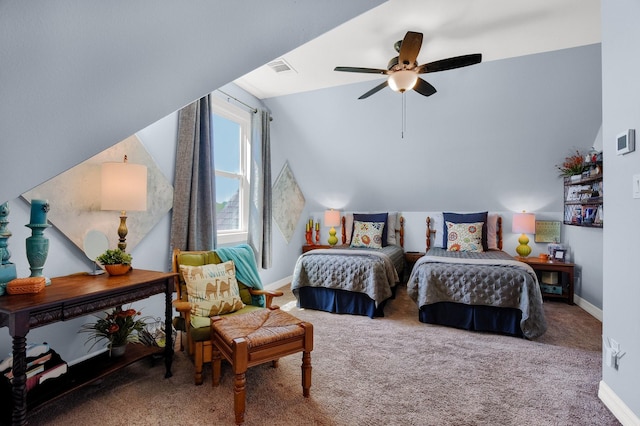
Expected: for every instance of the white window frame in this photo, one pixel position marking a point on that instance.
(243, 118)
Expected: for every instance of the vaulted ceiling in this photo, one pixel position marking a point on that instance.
(496, 28)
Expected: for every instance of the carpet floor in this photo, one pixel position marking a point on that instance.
(392, 370)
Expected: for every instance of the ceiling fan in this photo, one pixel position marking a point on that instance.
(403, 69)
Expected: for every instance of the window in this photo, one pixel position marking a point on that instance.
(231, 152)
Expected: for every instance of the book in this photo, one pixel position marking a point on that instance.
(31, 371)
(53, 372)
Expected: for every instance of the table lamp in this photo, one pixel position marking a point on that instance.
(124, 187)
(523, 223)
(332, 219)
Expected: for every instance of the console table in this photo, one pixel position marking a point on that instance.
(70, 297)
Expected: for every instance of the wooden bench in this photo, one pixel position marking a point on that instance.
(254, 338)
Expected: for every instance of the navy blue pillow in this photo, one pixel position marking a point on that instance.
(466, 218)
(373, 217)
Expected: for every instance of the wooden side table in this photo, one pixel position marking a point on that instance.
(410, 259)
(562, 268)
(307, 247)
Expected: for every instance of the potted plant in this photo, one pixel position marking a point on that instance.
(573, 165)
(116, 262)
(118, 327)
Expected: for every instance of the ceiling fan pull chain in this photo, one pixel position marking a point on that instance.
(404, 114)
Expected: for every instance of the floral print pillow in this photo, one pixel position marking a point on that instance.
(464, 236)
(367, 234)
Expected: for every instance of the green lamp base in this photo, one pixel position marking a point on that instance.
(333, 240)
(523, 249)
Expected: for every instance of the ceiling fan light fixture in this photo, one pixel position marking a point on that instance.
(403, 80)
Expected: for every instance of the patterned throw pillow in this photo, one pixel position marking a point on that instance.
(367, 234)
(464, 236)
(212, 290)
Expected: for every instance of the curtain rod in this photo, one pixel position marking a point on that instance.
(255, 110)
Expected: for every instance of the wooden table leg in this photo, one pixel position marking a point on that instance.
(240, 364)
(306, 373)
(306, 358)
(215, 364)
(19, 415)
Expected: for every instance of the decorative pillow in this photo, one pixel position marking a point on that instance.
(373, 217)
(392, 226)
(212, 290)
(492, 230)
(464, 236)
(465, 218)
(367, 234)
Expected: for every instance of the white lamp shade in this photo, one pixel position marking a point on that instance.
(524, 223)
(124, 186)
(331, 218)
(402, 80)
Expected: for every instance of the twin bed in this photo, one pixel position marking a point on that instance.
(465, 280)
(357, 277)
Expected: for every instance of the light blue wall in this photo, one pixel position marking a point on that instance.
(488, 140)
(621, 111)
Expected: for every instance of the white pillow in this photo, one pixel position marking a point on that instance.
(492, 228)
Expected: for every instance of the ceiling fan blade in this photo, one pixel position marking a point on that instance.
(363, 70)
(450, 63)
(375, 89)
(410, 48)
(424, 88)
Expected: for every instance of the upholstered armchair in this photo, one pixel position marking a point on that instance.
(195, 330)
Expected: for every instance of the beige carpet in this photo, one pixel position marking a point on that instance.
(392, 370)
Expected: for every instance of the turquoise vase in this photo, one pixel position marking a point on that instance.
(37, 244)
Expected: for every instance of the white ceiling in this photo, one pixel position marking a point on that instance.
(496, 28)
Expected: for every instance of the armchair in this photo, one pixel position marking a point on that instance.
(197, 340)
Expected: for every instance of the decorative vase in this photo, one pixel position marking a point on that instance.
(117, 351)
(7, 269)
(118, 269)
(575, 178)
(37, 244)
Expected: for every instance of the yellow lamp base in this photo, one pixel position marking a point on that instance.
(523, 249)
(333, 240)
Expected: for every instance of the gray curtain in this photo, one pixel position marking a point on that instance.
(193, 222)
(259, 237)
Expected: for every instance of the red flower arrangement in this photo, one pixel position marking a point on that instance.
(119, 327)
(572, 165)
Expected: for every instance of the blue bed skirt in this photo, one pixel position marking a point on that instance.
(468, 317)
(339, 301)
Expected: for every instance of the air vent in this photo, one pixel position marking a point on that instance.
(281, 66)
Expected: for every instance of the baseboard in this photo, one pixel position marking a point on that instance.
(617, 406)
(591, 309)
(278, 284)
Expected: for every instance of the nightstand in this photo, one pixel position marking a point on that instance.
(410, 259)
(307, 247)
(563, 289)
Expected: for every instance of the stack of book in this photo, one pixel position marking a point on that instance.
(43, 363)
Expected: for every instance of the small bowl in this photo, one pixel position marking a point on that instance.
(118, 269)
(544, 257)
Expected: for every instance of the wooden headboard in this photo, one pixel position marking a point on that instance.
(344, 232)
(431, 231)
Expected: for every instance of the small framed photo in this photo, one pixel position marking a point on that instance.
(559, 255)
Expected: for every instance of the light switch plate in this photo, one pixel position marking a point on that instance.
(636, 186)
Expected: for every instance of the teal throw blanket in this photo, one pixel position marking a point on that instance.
(246, 267)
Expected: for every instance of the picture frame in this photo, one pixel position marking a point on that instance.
(559, 255)
(547, 231)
